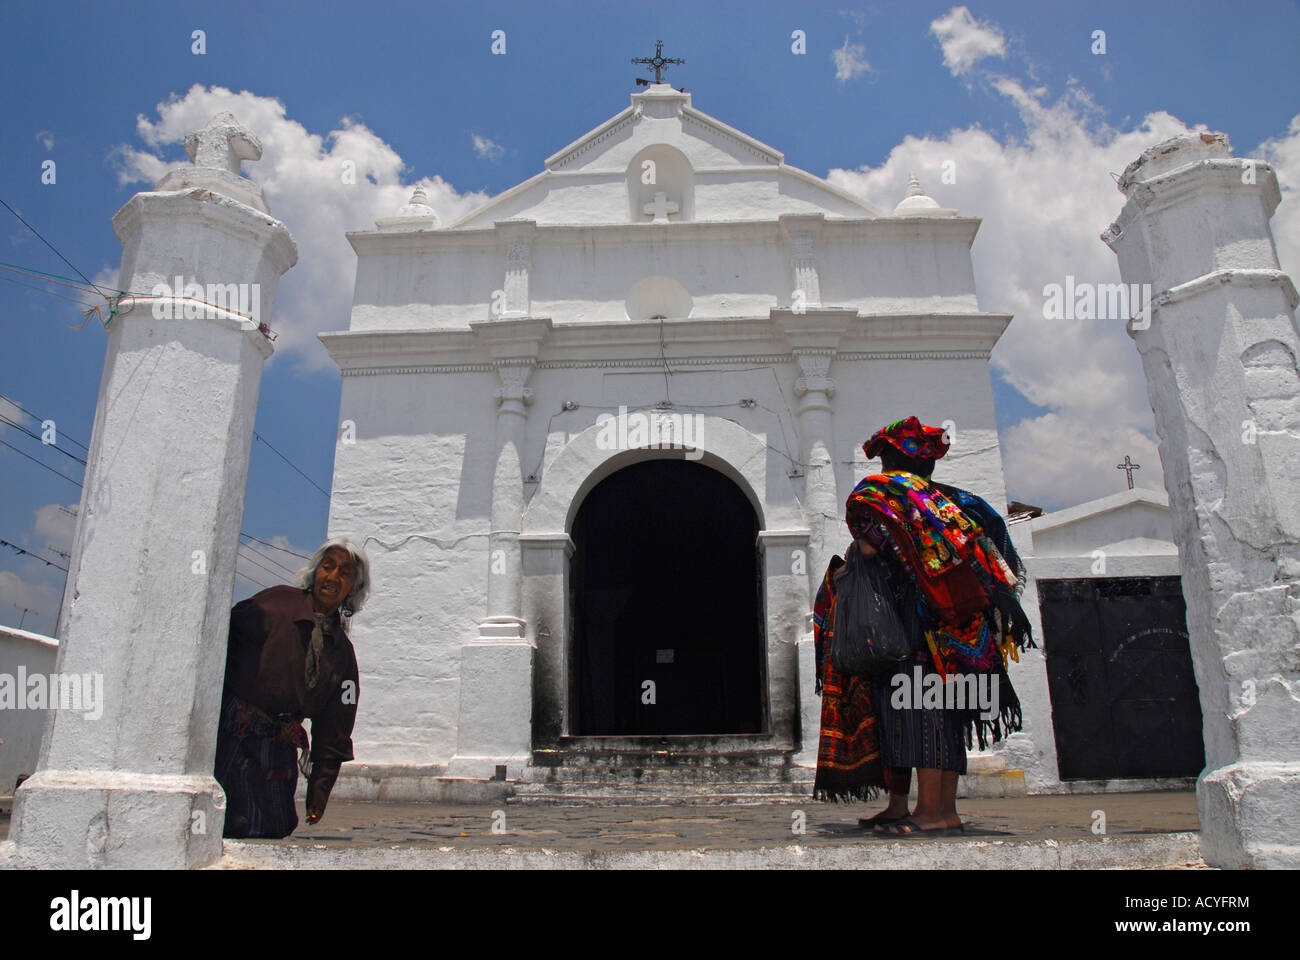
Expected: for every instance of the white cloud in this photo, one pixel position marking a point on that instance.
(40, 601)
(46, 139)
(302, 175)
(1045, 200)
(1037, 445)
(966, 41)
(850, 61)
(55, 527)
(487, 149)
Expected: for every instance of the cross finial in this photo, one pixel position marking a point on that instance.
(658, 61)
(222, 144)
(1128, 466)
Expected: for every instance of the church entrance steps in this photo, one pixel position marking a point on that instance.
(636, 770)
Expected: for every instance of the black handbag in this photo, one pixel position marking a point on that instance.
(869, 637)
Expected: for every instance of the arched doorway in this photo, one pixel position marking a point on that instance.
(666, 592)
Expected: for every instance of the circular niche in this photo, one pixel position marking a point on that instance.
(656, 298)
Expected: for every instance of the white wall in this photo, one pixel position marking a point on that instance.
(21, 729)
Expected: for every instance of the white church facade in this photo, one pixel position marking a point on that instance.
(597, 436)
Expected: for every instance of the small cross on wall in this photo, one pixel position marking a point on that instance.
(1128, 466)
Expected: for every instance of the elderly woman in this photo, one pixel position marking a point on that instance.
(289, 658)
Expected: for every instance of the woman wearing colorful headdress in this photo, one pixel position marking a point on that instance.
(954, 577)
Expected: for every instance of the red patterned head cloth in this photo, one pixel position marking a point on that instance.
(910, 436)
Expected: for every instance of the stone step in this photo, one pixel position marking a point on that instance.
(583, 793)
(691, 774)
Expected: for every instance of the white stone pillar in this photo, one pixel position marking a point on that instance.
(496, 666)
(1219, 349)
(147, 609)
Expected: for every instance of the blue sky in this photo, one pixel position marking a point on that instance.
(1037, 117)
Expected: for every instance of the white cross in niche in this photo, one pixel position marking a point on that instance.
(660, 208)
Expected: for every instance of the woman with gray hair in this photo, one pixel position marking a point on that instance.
(289, 658)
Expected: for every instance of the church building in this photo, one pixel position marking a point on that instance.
(596, 438)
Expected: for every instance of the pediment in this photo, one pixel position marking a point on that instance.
(704, 169)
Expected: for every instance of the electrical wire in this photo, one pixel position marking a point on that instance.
(34, 556)
(40, 463)
(54, 248)
(292, 464)
(39, 420)
(274, 547)
(37, 436)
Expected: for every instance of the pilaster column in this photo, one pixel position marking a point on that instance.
(802, 231)
(496, 665)
(518, 238)
(1219, 349)
(147, 609)
(814, 336)
(503, 604)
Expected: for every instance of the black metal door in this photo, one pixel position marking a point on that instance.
(1124, 698)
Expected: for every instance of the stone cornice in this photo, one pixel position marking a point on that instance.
(1170, 188)
(833, 230)
(688, 343)
(590, 139)
(1239, 277)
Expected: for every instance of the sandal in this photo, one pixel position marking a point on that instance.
(907, 827)
(867, 823)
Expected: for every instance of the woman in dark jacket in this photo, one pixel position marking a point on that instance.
(289, 658)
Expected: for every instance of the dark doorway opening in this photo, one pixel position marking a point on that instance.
(1124, 698)
(666, 592)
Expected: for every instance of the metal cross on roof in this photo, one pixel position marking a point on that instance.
(658, 61)
(1128, 466)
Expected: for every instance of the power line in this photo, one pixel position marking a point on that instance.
(32, 286)
(259, 565)
(41, 463)
(252, 580)
(274, 547)
(54, 248)
(37, 436)
(40, 420)
(268, 559)
(34, 556)
(292, 464)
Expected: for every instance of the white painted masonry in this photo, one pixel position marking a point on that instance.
(790, 318)
(20, 730)
(148, 597)
(1220, 357)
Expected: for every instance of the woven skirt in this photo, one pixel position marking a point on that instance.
(257, 767)
(916, 737)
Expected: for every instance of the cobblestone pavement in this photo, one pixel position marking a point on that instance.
(1060, 832)
(731, 826)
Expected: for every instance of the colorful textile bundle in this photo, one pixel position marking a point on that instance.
(959, 569)
(848, 752)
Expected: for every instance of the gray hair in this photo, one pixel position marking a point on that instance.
(353, 602)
